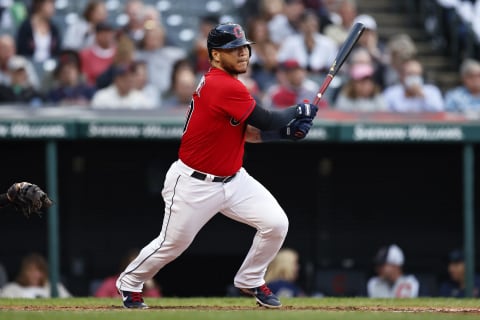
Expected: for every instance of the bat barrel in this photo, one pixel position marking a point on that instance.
(342, 55)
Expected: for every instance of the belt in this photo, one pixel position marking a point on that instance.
(203, 176)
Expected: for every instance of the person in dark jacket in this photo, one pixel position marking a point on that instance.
(38, 38)
(454, 287)
(70, 88)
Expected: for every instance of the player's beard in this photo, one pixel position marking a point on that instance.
(234, 69)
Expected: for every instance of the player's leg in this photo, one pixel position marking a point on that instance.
(251, 203)
(189, 204)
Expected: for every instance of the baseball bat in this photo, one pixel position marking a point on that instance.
(342, 55)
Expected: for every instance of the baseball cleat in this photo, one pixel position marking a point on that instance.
(264, 296)
(133, 300)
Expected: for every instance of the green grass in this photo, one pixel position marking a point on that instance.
(242, 308)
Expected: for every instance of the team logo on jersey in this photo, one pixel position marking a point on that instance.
(234, 122)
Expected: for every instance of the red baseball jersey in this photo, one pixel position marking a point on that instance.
(214, 134)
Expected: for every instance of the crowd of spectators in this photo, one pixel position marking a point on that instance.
(282, 276)
(389, 279)
(96, 64)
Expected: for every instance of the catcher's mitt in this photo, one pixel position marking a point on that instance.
(28, 198)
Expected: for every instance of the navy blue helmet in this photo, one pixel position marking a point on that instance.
(227, 36)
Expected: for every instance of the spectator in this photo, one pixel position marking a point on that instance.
(38, 38)
(135, 27)
(282, 274)
(8, 50)
(361, 93)
(69, 86)
(12, 13)
(314, 51)
(466, 97)
(325, 10)
(369, 39)
(20, 89)
(99, 56)
(124, 54)
(286, 23)
(200, 51)
(140, 82)
(338, 32)
(400, 48)
(121, 94)
(361, 55)
(250, 84)
(183, 86)
(270, 8)
(264, 53)
(81, 34)
(159, 57)
(412, 95)
(455, 286)
(292, 88)
(151, 17)
(3, 277)
(107, 288)
(390, 281)
(32, 280)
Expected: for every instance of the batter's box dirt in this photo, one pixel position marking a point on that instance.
(244, 308)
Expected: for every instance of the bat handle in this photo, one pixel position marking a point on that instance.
(323, 88)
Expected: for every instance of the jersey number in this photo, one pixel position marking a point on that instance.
(188, 116)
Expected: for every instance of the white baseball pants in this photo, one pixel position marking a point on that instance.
(190, 203)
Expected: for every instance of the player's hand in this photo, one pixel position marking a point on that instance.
(306, 110)
(297, 129)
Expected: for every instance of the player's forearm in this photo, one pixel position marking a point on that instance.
(267, 120)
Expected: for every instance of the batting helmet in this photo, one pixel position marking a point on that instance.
(227, 36)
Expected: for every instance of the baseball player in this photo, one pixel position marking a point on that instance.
(208, 176)
(391, 282)
(26, 197)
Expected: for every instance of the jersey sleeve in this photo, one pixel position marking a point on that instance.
(237, 103)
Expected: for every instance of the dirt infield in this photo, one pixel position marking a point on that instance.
(243, 308)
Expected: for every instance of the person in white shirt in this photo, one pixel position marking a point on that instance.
(346, 11)
(121, 94)
(313, 51)
(140, 82)
(32, 280)
(8, 50)
(160, 57)
(284, 24)
(465, 97)
(81, 33)
(412, 94)
(361, 93)
(391, 282)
